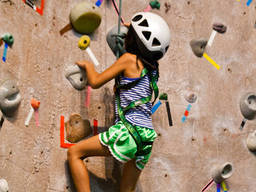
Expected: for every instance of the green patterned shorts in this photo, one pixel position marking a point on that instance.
(122, 145)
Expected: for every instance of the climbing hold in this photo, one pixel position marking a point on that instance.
(219, 27)
(154, 4)
(113, 37)
(248, 106)
(33, 108)
(85, 17)
(191, 97)
(8, 38)
(222, 172)
(77, 128)
(163, 96)
(76, 76)
(84, 42)
(9, 97)
(198, 46)
(4, 185)
(251, 141)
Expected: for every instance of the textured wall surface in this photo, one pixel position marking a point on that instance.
(31, 159)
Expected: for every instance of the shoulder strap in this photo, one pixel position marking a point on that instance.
(130, 85)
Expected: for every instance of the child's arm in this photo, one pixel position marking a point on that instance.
(95, 79)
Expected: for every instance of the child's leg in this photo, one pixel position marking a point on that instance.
(83, 149)
(130, 177)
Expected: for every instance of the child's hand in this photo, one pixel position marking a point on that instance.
(127, 24)
(81, 64)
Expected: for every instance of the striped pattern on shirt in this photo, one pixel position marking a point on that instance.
(140, 115)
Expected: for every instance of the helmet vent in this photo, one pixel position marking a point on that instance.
(166, 48)
(146, 34)
(155, 42)
(144, 23)
(137, 18)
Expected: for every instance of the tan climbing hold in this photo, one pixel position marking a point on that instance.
(248, 106)
(198, 46)
(77, 128)
(191, 97)
(251, 141)
(85, 17)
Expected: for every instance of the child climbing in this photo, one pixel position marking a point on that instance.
(136, 73)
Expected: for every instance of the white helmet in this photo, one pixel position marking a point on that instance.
(153, 34)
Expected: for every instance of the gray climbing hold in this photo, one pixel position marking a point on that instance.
(251, 141)
(191, 97)
(112, 36)
(77, 128)
(198, 46)
(4, 185)
(76, 76)
(219, 27)
(10, 97)
(222, 172)
(248, 106)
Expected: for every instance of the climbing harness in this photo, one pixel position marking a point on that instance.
(121, 111)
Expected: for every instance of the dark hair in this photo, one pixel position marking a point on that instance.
(131, 46)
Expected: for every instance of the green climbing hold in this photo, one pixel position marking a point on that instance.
(163, 96)
(85, 17)
(8, 38)
(154, 4)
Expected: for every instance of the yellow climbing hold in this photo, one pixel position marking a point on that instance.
(84, 42)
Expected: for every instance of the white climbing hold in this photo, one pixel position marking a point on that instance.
(222, 172)
(3, 185)
(251, 141)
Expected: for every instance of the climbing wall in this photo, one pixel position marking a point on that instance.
(31, 159)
